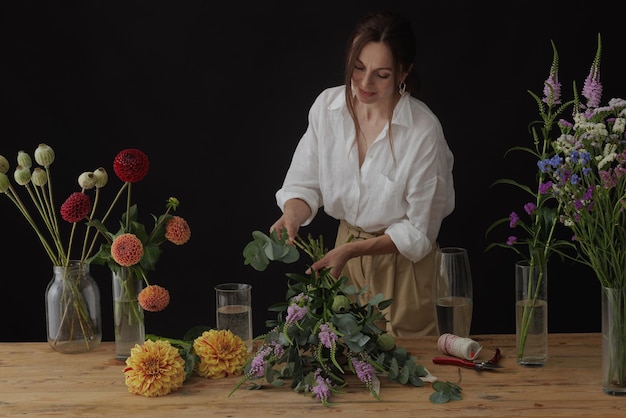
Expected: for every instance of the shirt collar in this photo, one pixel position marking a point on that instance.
(401, 114)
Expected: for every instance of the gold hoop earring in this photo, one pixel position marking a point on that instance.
(402, 88)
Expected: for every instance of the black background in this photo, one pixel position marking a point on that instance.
(217, 94)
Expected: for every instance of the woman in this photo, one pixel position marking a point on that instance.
(375, 158)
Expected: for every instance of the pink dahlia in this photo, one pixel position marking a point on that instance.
(154, 298)
(177, 230)
(131, 165)
(75, 207)
(127, 250)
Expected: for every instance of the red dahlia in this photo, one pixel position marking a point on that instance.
(76, 207)
(131, 165)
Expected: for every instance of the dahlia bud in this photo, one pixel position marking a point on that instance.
(4, 164)
(87, 180)
(44, 155)
(21, 175)
(24, 159)
(101, 176)
(341, 304)
(39, 177)
(4, 183)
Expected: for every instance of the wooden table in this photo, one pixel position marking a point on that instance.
(37, 381)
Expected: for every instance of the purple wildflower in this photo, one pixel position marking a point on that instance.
(530, 207)
(545, 187)
(552, 86)
(511, 240)
(258, 363)
(364, 371)
(295, 313)
(513, 219)
(327, 336)
(321, 389)
(592, 89)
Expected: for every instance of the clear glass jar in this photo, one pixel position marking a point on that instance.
(73, 316)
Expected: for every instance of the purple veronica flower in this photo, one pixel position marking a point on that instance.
(321, 389)
(364, 371)
(552, 86)
(295, 313)
(327, 336)
(512, 240)
(592, 89)
(257, 366)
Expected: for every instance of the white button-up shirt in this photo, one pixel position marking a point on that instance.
(404, 187)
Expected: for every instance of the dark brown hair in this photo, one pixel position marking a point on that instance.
(397, 34)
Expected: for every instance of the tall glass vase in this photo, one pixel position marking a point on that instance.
(73, 316)
(614, 341)
(531, 313)
(127, 313)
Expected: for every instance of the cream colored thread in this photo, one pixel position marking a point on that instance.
(458, 346)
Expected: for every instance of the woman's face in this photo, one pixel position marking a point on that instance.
(372, 76)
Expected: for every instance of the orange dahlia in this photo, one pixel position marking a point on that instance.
(154, 369)
(177, 230)
(221, 353)
(153, 298)
(127, 250)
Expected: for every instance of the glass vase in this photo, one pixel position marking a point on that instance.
(73, 316)
(614, 341)
(127, 313)
(531, 313)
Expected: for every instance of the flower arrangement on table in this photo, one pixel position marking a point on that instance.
(130, 247)
(581, 168)
(132, 251)
(587, 177)
(321, 333)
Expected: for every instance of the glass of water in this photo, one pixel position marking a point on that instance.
(234, 310)
(453, 291)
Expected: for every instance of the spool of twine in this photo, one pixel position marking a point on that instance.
(458, 346)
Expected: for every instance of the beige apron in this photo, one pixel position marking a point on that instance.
(410, 285)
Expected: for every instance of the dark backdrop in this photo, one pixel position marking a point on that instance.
(217, 94)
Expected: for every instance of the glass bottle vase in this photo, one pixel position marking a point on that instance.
(127, 313)
(613, 341)
(531, 313)
(73, 315)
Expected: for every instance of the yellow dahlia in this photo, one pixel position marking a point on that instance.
(154, 369)
(222, 354)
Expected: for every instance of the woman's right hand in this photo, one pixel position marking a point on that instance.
(296, 211)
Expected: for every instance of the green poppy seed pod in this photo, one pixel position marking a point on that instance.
(86, 180)
(21, 175)
(386, 342)
(101, 176)
(24, 159)
(4, 183)
(341, 304)
(39, 177)
(44, 155)
(4, 164)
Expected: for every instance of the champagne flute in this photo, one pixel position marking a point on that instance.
(453, 291)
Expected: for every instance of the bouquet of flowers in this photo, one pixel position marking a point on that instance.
(541, 224)
(321, 333)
